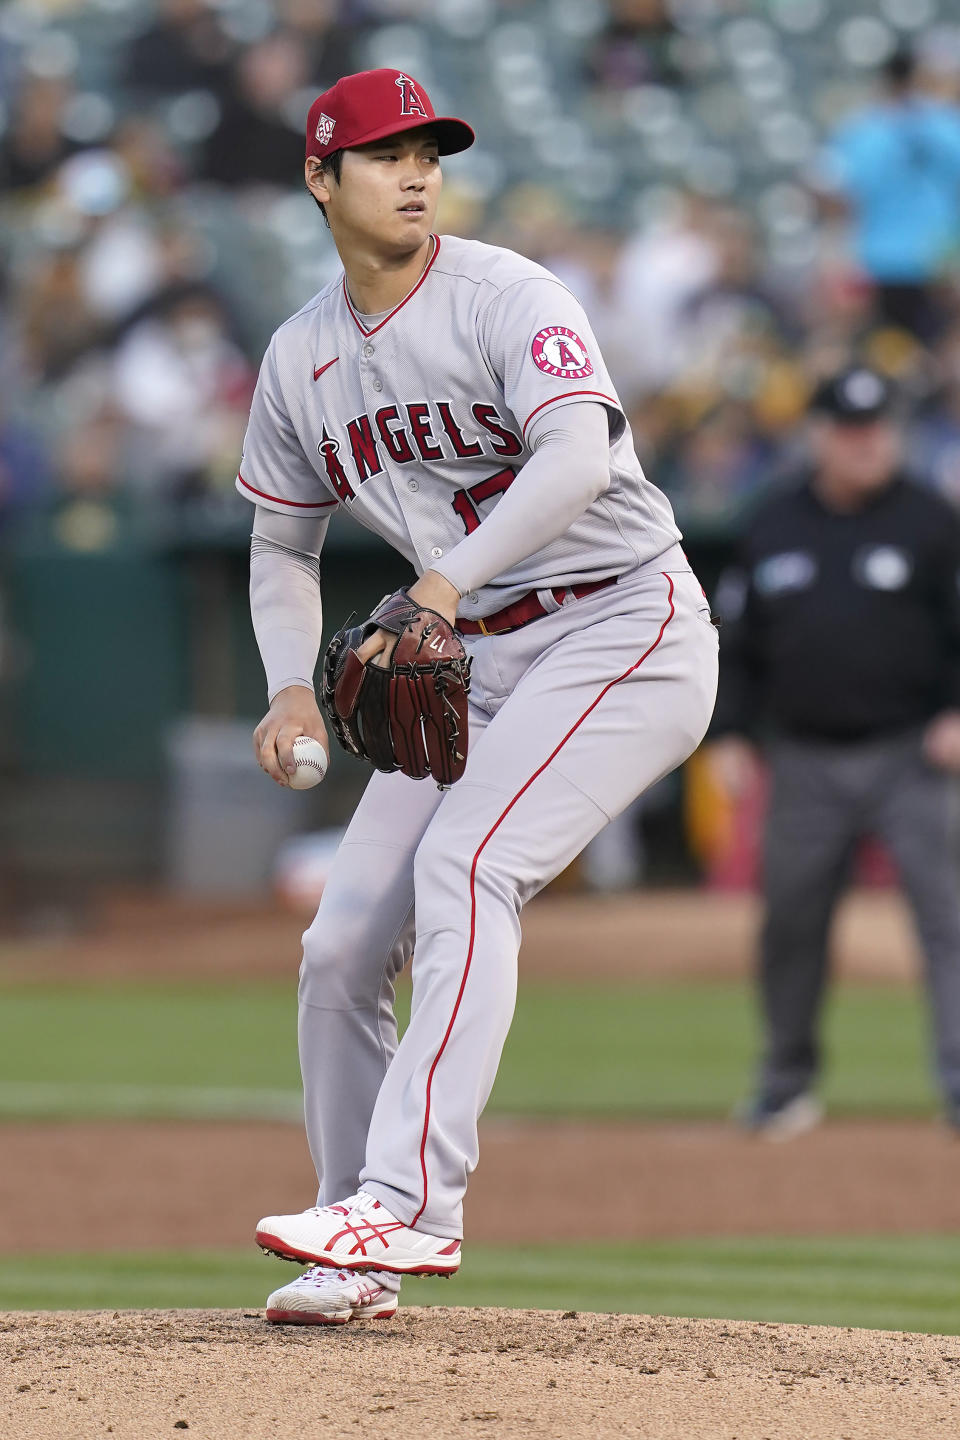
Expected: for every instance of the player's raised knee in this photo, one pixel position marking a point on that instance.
(337, 971)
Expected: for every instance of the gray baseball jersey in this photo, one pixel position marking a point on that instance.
(419, 423)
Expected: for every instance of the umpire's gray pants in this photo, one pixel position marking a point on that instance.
(824, 798)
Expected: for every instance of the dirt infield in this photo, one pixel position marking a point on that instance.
(443, 1373)
(134, 1186)
(650, 935)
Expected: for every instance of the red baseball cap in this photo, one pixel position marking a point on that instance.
(365, 107)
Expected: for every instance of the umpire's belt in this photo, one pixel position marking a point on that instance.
(530, 607)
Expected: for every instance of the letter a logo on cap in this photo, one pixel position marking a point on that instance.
(411, 104)
(325, 130)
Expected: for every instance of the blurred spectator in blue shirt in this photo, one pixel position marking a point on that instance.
(897, 164)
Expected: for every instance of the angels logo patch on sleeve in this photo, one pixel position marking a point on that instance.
(560, 352)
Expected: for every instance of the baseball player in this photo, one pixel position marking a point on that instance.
(451, 397)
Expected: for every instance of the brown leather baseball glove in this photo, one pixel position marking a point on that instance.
(411, 714)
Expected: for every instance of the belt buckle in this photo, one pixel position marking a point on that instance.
(483, 628)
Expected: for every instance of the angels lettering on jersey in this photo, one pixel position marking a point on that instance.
(412, 433)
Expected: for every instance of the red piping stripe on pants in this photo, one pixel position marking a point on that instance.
(473, 876)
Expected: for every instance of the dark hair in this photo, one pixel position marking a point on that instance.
(334, 164)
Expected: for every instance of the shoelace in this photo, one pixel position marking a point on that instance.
(321, 1274)
(324, 1275)
(362, 1203)
(358, 1204)
(341, 1207)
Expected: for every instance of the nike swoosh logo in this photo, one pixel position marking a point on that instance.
(318, 373)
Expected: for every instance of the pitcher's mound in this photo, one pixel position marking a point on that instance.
(441, 1372)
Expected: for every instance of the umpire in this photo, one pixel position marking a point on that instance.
(841, 646)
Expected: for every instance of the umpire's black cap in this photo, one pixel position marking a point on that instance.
(857, 396)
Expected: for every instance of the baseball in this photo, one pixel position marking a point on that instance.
(311, 761)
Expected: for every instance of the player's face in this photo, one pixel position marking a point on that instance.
(388, 192)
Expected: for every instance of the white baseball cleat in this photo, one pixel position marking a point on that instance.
(358, 1234)
(322, 1296)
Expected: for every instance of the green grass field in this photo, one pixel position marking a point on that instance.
(901, 1283)
(656, 1050)
(110, 1050)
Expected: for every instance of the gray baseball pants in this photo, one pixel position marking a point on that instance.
(572, 717)
(824, 798)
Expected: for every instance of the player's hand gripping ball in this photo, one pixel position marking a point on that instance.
(311, 761)
(411, 714)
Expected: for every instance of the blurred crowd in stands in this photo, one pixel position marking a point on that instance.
(743, 197)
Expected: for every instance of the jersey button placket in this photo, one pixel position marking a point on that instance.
(366, 352)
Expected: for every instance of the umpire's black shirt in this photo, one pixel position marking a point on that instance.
(841, 626)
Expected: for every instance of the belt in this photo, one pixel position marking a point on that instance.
(528, 608)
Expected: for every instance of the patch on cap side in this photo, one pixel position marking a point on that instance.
(325, 130)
